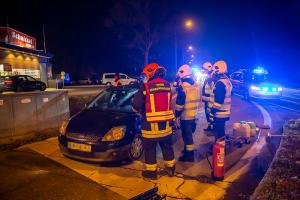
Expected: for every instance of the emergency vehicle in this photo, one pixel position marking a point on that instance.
(254, 84)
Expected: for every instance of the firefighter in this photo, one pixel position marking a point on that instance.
(153, 102)
(206, 90)
(220, 98)
(117, 81)
(187, 104)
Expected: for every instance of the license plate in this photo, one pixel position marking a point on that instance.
(79, 147)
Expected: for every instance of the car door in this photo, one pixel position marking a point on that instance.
(32, 84)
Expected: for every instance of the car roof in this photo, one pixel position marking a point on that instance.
(125, 87)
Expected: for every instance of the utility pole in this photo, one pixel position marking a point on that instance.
(44, 39)
(175, 48)
(7, 25)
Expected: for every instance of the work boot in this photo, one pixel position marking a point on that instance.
(188, 156)
(170, 171)
(150, 174)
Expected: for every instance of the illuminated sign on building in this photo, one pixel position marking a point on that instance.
(14, 37)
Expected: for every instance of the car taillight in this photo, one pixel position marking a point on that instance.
(8, 82)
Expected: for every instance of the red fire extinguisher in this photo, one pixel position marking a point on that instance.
(218, 163)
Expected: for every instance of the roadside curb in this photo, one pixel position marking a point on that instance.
(282, 178)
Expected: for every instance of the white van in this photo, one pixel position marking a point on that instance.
(109, 78)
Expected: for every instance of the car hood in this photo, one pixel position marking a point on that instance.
(96, 122)
(267, 84)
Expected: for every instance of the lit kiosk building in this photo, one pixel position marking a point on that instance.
(19, 56)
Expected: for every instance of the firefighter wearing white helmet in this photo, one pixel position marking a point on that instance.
(187, 104)
(220, 98)
(206, 91)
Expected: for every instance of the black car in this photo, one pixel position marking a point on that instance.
(20, 83)
(254, 84)
(106, 130)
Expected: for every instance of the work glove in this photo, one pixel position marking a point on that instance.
(177, 122)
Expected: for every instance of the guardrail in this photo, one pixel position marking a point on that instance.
(29, 114)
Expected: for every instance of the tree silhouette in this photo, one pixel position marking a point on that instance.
(136, 25)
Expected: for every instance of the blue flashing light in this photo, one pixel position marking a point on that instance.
(265, 89)
(260, 70)
(195, 68)
(274, 89)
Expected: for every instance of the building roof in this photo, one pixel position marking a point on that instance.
(38, 53)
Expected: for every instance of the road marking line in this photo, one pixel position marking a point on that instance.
(289, 101)
(266, 115)
(298, 111)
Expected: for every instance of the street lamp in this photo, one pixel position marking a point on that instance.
(188, 24)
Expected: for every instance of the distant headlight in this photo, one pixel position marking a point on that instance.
(254, 87)
(63, 127)
(280, 89)
(114, 134)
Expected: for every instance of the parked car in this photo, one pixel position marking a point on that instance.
(254, 84)
(109, 78)
(107, 129)
(20, 83)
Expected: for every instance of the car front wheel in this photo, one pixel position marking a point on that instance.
(136, 148)
(43, 87)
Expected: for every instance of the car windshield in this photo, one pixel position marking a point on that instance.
(258, 78)
(113, 100)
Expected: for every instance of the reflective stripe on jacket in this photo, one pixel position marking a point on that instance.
(156, 130)
(206, 89)
(220, 100)
(150, 130)
(192, 100)
(158, 101)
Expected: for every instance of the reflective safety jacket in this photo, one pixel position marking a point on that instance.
(158, 101)
(153, 102)
(188, 100)
(117, 82)
(206, 89)
(220, 98)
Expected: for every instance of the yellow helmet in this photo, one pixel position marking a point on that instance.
(220, 67)
(184, 71)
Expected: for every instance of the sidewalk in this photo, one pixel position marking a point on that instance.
(192, 180)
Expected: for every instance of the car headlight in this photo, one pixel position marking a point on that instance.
(280, 89)
(254, 87)
(63, 127)
(114, 134)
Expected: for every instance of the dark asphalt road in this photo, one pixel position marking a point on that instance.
(29, 175)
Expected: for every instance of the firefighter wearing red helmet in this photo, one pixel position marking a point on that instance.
(187, 105)
(220, 98)
(206, 91)
(153, 102)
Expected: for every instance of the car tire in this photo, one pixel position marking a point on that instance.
(136, 148)
(43, 87)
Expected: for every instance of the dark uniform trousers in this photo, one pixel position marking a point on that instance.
(219, 128)
(207, 112)
(187, 130)
(166, 145)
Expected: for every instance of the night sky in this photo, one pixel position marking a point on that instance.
(244, 33)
